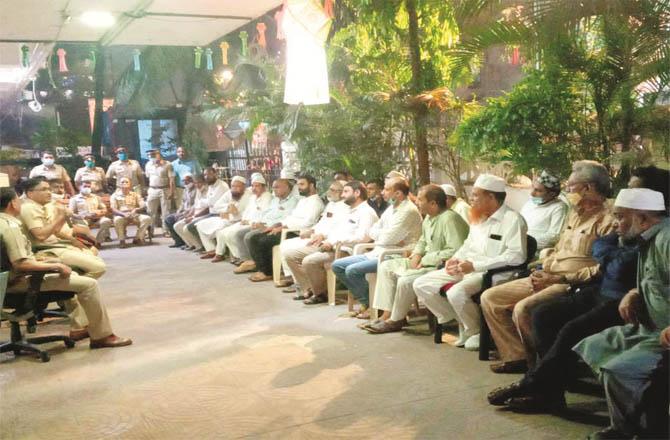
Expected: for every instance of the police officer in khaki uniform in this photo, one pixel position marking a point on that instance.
(51, 171)
(126, 206)
(161, 188)
(23, 261)
(125, 167)
(92, 174)
(92, 210)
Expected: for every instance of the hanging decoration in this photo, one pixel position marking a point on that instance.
(198, 56)
(224, 52)
(261, 27)
(279, 18)
(243, 38)
(90, 59)
(136, 60)
(515, 56)
(328, 8)
(25, 56)
(62, 66)
(208, 59)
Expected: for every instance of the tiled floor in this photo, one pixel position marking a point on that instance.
(215, 356)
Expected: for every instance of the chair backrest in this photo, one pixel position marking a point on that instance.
(531, 248)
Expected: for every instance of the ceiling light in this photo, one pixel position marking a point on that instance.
(98, 19)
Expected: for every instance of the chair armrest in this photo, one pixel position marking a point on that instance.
(520, 271)
(388, 252)
(285, 232)
(361, 248)
(341, 249)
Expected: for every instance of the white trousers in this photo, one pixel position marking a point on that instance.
(208, 234)
(181, 229)
(232, 237)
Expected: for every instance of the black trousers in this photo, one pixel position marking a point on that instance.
(560, 324)
(170, 220)
(260, 248)
(655, 402)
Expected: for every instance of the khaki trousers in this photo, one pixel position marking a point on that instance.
(105, 224)
(158, 198)
(507, 309)
(178, 197)
(87, 294)
(308, 265)
(142, 221)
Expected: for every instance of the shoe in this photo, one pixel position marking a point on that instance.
(110, 341)
(78, 335)
(208, 255)
(472, 344)
(608, 433)
(247, 266)
(386, 326)
(536, 403)
(510, 367)
(315, 299)
(284, 282)
(175, 245)
(217, 258)
(259, 276)
(500, 395)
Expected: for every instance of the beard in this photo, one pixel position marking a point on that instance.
(477, 215)
(350, 200)
(236, 196)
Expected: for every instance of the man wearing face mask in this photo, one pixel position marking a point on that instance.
(90, 208)
(127, 207)
(161, 188)
(229, 209)
(50, 170)
(92, 174)
(545, 212)
(125, 167)
(508, 307)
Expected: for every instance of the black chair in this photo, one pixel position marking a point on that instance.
(520, 271)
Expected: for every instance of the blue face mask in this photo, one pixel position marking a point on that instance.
(123, 156)
(537, 200)
(89, 163)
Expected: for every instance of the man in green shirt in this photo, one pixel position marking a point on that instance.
(442, 233)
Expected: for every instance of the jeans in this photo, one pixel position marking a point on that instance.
(170, 221)
(351, 272)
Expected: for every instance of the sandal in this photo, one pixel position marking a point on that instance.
(315, 299)
(365, 314)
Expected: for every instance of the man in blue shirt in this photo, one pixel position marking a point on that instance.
(183, 166)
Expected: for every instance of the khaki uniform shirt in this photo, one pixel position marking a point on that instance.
(571, 257)
(130, 169)
(83, 205)
(34, 215)
(159, 175)
(54, 172)
(16, 243)
(126, 203)
(96, 176)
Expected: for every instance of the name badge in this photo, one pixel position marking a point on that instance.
(495, 237)
(352, 221)
(281, 208)
(329, 214)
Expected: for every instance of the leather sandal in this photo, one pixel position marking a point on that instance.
(316, 299)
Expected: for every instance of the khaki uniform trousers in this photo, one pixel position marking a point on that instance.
(158, 198)
(142, 221)
(178, 197)
(394, 290)
(104, 224)
(232, 238)
(87, 294)
(80, 260)
(458, 304)
(507, 309)
(308, 265)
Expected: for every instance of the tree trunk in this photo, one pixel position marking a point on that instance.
(420, 112)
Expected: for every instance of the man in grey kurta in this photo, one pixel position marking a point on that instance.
(442, 233)
(626, 356)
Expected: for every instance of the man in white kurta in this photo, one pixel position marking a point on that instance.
(231, 236)
(199, 204)
(229, 209)
(455, 203)
(497, 238)
(544, 212)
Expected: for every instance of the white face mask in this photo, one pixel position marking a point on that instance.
(86, 191)
(55, 196)
(48, 162)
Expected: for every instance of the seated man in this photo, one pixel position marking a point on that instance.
(229, 209)
(497, 238)
(334, 210)
(375, 198)
(304, 215)
(89, 207)
(127, 207)
(545, 212)
(282, 204)
(23, 262)
(232, 237)
(442, 234)
(455, 203)
(216, 188)
(400, 225)
(626, 357)
(307, 263)
(187, 199)
(507, 307)
(561, 323)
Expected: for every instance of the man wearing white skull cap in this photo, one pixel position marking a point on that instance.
(229, 209)
(630, 358)
(455, 203)
(545, 212)
(497, 238)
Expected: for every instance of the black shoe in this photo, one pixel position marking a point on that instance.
(175, 245)
(536, 403)
(608, 433)
(500, 395)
